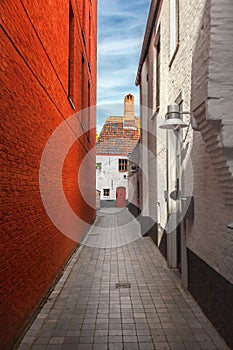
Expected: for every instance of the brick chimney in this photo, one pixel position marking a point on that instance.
(129, 107)
(129, 120)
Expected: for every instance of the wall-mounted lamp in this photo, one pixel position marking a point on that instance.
(173, 120)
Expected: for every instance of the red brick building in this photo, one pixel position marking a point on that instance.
(47, 74)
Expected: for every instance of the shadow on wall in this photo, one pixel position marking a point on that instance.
(211, 290)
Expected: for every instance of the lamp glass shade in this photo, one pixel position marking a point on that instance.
(173, 123)
(173, 120)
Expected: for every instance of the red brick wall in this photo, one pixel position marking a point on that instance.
(34, 82)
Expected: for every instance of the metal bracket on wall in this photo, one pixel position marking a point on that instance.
(230, 225)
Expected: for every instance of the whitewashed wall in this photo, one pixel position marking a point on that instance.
(109, 175)
(208, 29)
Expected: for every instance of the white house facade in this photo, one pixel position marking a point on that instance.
(116, 141)
(111, 173)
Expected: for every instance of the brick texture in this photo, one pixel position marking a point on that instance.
(34, 84)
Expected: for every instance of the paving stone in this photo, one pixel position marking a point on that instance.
(130, 339)
(144, 338)
(38, 347)
(146, 346)
(176, 345)
(24, 346)
(101, 339)
(115, 332)
(41, 341)
(83, 347)
(162, 345)
(132, 346)
(85, 340)
(56, 340)
(100, 346)
(69, 347)
(72, 333)
(207, 345)
(115, 346)
(115, 338)
(129, 332)
(70, 340)
(87, 332)
(192, 345)
(28, 340)
(101, 332)
(86, 311)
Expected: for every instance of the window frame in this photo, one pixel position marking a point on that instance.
(122, 165)
(106, 189)
(157, 57)
(174, 24)
(71, 58)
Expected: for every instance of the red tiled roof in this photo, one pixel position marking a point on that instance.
(118, 136)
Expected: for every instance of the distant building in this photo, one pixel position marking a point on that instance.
(116, 141)
(187, 59)
(48, 73)
(135, 181)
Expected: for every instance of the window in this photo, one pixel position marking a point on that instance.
(138, 191)
(158, 73)
(99, 166)
(89, 37)
(89, 112)
(71, 59)
(106, 192)
(123, 165)
(83, 94)
(174, 27)
(179, 100)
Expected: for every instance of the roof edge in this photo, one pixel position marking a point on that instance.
(146, 41)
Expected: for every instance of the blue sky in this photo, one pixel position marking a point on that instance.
(121, 27)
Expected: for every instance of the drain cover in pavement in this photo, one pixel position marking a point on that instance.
(123, 285)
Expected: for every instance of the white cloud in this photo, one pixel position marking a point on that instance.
(118, 47)
(120, 35)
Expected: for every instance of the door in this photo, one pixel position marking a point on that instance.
(121, 197)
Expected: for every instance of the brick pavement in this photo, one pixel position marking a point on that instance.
(149, 310)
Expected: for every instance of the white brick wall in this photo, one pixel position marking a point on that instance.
(209, 237)
(109, 175)
(202, 68)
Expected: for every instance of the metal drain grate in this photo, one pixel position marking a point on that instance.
(122, 285)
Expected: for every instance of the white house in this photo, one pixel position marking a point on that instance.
(186, 63)
(116, 141)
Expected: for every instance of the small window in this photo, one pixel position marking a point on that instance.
(138, 191)
(158, 74)
(174, 26)
(99, 166)
(123, 165)
(71, 59)
(89, 113)
(106, 192)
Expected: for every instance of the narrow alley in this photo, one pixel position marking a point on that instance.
(117, 293)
